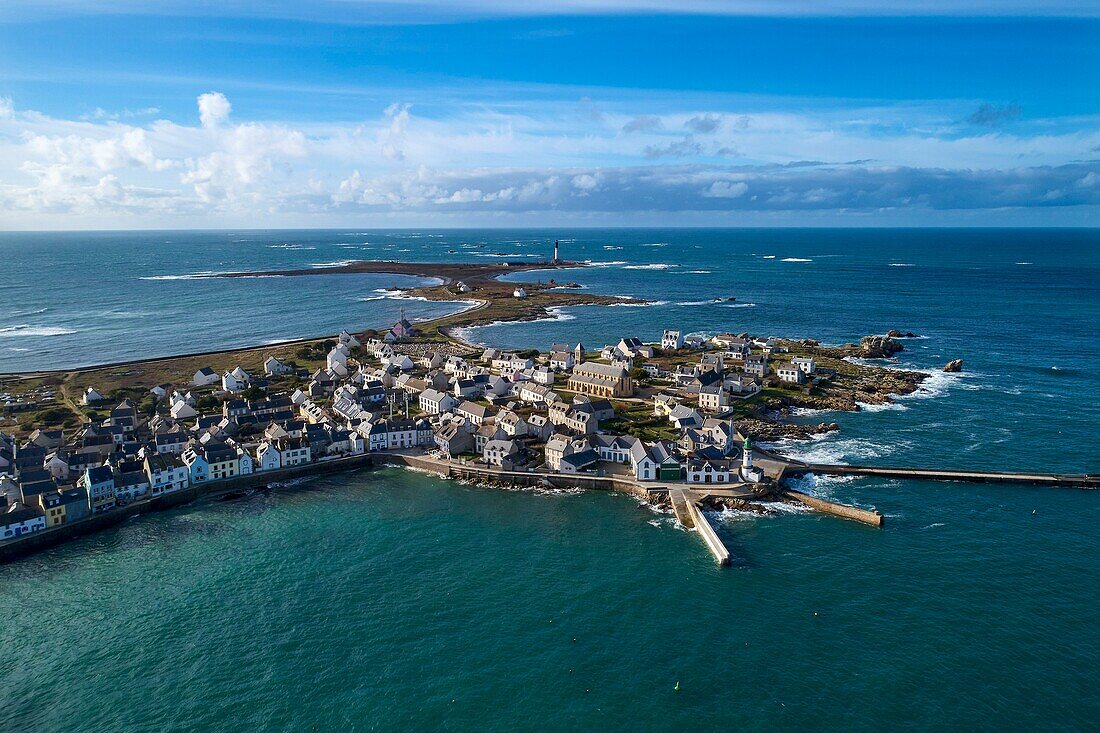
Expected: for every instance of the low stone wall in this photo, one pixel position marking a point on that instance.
(27, 544)
(476, 473)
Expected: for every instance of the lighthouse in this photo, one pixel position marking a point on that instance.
(555, 250)
(748, 473)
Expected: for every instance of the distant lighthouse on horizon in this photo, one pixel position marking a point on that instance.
(555, 251)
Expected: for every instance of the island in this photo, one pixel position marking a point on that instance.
(682, 423)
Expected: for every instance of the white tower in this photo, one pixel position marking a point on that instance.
(746, 457)
(555, 250)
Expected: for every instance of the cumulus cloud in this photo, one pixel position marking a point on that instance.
(513, 161)
(643, 123)
(725, 190)
(745, 188)
(991, 115)
(213, 109)
(678, 149)
(703, 124)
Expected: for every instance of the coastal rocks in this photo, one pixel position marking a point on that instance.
(955, 365)
(896, 334)
(878, 347)
(772, 431)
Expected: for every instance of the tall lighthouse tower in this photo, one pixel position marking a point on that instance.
(555, 250)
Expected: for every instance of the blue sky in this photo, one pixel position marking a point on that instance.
(424, 113)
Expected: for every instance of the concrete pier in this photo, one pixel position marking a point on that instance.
(681, 507)
(1079, 481)
(710, 537)
(837, 510)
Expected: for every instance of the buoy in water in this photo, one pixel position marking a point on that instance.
(677, 687)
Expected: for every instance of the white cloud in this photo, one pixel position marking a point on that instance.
(213, 109)
(725, 190)
(512, 159)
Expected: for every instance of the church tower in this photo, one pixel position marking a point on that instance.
(578, 353)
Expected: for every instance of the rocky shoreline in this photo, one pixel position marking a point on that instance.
(844, 386)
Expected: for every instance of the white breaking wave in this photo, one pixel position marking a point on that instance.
(819, 486)
(900, 264)
(637, 305)
(656, 244)
(35, 312)
(293, 246)
(1025, 263)
(739, 305)
(769, 257)
(654, 266)
(794, 259)
(698, 272)
(207, 275)
(695, 302)
(337, 263)
(935, 384)
(828, 449)
(25, 330)
(597, 263)
(870, 407)
(611, 246)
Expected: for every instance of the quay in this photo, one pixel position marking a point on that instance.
(1079, 481)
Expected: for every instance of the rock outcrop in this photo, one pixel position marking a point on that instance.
(769, 431)
(878, 347)
(955, 365)
(895, 333)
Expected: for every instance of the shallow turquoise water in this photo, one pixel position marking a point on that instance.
(371, 601)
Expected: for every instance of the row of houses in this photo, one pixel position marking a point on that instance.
(501, 408)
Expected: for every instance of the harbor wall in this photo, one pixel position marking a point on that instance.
(27, 544)
(838, 510)
(485, 474)
(710, 537)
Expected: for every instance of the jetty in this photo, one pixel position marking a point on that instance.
(1060, 480)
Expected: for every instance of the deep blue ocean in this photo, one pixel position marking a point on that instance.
(394, 600)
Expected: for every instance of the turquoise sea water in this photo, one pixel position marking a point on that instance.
(371, 601)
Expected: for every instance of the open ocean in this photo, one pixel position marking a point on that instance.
(392, 600)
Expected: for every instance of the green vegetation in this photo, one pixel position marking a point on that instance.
(637, 419)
